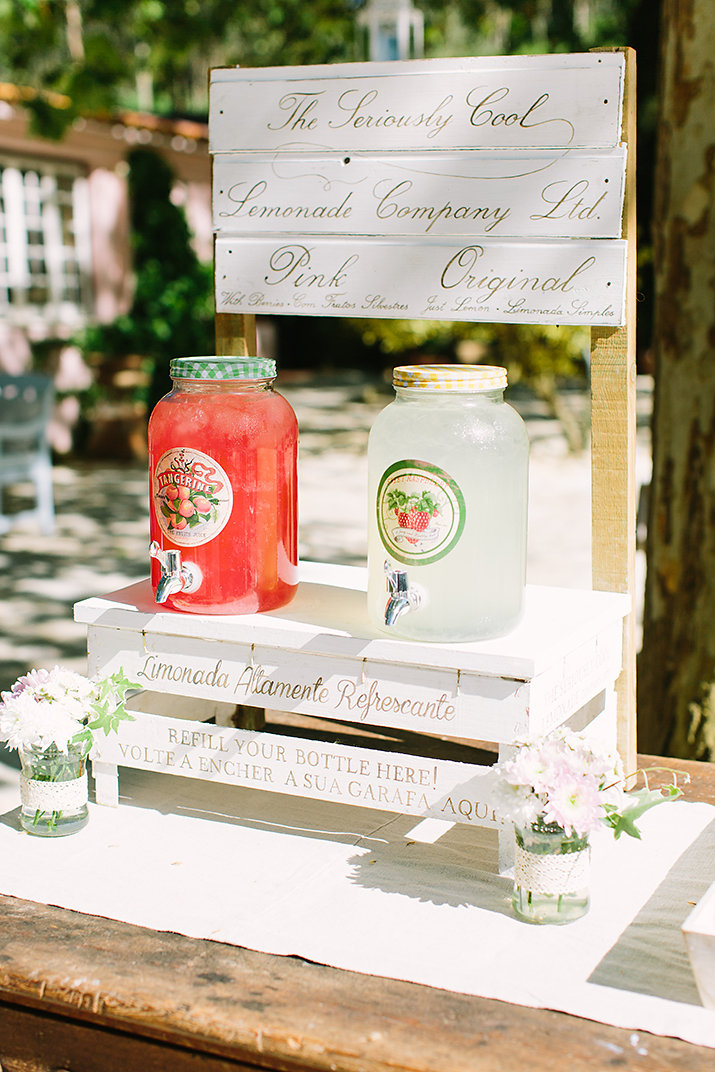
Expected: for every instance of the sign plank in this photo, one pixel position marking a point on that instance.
(535, 193)
(496, 102)
(365, 777)
(556, 282)
(403, 696)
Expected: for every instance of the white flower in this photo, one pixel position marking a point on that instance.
(49, 709)
(15, 713)
(46, 707)
(26, 724)
(72, 690)
(574, 803)
(52, 727)
(33, 679)
(514, 803)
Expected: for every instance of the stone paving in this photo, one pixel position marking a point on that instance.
(101, 537)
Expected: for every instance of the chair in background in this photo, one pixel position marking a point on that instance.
(25, 410)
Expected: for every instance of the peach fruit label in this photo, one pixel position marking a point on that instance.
(420, 512)
(192, 496)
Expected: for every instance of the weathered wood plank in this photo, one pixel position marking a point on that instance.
(613, 432)
(490, 102)
(33, 1041)
(513, 194)
(538, 282)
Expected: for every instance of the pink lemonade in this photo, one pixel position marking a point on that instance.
(222, 464)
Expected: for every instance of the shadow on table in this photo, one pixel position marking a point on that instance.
(11, 818)
(460, 870)
(651, 957)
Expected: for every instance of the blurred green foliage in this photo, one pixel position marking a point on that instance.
(105, 55)
(101, 55)
(172, 311)
(528, 351)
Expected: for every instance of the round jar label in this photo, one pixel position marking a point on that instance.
(192, 495)
(420, 512)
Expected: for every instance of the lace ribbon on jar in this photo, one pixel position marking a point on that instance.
(553, 873)
(53, 796)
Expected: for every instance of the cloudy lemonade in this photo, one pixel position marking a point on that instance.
(448, 462)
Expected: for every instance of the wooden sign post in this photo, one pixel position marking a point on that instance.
(613, 442)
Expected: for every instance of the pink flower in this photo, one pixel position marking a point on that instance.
(33, 679)
(574, 803)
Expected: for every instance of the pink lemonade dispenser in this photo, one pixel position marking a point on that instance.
(223, 488)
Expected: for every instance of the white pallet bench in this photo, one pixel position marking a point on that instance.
(320, 657)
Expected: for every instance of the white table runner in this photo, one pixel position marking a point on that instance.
(346, 887)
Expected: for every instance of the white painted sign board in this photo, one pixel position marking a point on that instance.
(564, 101)
(363, 777)
(319, 656)
(539, 193)
(559, 282)
(565, 651)
(516, 160)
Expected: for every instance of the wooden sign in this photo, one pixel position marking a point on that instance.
(539, 193)
(433, 169)
(387, 781)
(558, 282)
(485, 102)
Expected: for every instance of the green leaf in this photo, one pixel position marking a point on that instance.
(638, 803)
(109, 708)
(83, 739)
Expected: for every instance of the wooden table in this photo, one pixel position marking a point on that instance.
(86, 994)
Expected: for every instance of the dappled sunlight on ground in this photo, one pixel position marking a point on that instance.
(99, 544)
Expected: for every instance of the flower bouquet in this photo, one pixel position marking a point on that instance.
(557, 790)
(50, 717)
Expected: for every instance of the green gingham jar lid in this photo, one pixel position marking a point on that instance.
(222, 368)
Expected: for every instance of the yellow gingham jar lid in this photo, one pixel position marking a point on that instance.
(451, 377)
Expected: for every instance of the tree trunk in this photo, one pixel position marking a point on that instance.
(676, 669)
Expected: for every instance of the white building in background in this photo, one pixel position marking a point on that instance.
(65, 253)
(395, 29)
(65, 256)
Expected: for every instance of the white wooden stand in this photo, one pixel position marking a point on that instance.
(496, 189)
(320, 657)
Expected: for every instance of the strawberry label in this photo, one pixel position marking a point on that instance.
(192, 496)
(420, 512)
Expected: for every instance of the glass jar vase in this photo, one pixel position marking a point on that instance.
(53, 791)
(551, 874)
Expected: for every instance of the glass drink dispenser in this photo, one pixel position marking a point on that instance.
(448, 483)
(223, 488)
